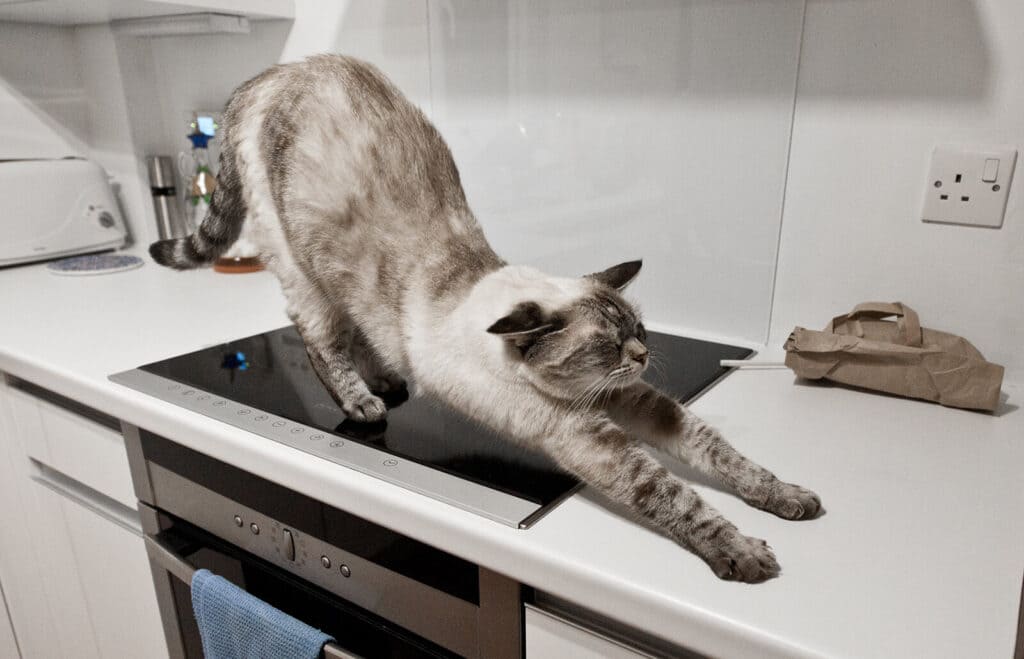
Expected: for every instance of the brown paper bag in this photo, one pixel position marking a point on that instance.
(863, 350)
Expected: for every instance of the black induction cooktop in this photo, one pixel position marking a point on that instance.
(265, 384)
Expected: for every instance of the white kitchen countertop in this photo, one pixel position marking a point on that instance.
(920, 553)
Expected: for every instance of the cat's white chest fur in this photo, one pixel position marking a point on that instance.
(452, 355)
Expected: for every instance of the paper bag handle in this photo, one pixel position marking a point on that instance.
(908, 326)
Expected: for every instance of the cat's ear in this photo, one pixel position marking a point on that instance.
(527, 319)
(618, 276)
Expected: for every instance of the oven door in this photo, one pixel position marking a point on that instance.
(176, 551)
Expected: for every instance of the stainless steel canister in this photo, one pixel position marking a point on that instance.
(170, 221)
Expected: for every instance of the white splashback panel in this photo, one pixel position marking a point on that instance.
(589, 133)
(41, 116)
(869, 112)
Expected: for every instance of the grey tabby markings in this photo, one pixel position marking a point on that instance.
(354, 202)
(223, 222)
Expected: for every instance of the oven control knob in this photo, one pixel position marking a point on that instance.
(289, 545)
(325, 561)
(345, 571)
(255, 528)
(238, 520)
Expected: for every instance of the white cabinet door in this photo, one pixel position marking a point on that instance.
(72, 558)
(551, 637)
(66, 439)
(118, 586)
(8, 646)
(37, 566)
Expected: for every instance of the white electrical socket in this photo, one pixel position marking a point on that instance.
(968, 186)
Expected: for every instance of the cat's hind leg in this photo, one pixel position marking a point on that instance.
(671, 428)
(328, 335)
(379, 377)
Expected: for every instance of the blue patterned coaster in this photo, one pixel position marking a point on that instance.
(94, 264)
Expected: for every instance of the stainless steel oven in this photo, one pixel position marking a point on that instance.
(379, 593)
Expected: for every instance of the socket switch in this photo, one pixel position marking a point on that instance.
(968, 185)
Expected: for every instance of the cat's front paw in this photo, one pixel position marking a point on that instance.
(793, 502)
(365, 409)
(741, 558)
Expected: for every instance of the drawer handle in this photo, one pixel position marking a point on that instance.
(88, 498)
(67, 404)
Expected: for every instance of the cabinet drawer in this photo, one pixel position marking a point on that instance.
(549, 636)
(118, 586)
(73, 439)
(112, 586)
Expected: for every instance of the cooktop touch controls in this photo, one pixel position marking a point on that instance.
(265, 385)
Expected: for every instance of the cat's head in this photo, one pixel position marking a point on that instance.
(593, 343)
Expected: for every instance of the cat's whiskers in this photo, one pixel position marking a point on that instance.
(602, 383)
(617, 374)
(605, 388)
(578, 402)
(654, 359)
(595, 390)
(601, 387)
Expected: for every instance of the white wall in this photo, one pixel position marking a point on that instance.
(391, 33)
(110, 136)
(61, 94)
(167, 78)
(586, 133)
(591, 133)
(41, 93)
(880, 84)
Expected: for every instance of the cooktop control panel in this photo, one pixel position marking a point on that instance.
(265, 384)
(480, 499)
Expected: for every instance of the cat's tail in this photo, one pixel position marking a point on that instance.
(219, 229)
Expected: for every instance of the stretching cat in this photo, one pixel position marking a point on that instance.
(355, 203)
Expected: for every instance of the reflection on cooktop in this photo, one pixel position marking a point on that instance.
(271, 372)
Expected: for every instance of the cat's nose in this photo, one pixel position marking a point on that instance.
(637, 351)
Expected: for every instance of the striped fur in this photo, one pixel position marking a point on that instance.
(222, 224)
(354, 202)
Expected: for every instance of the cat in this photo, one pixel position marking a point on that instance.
(355, 203)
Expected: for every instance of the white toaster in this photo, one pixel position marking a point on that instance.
(54, 208)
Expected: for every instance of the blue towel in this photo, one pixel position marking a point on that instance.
(235, 625)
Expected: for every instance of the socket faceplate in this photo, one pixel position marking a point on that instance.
(968, 185)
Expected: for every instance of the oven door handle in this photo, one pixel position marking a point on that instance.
(167, 558)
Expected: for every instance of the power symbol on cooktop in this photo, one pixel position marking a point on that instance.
(317, 437)
(188, 392)
(298, 430)
(278, 424)
(390, 463)
(203, 397)
(245, 411)
(336, 443)
(262, 417)
(219, 403)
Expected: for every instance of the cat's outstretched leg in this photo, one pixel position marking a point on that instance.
(328, 336)
(375, 373)
(605, 457)
(673, 429)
